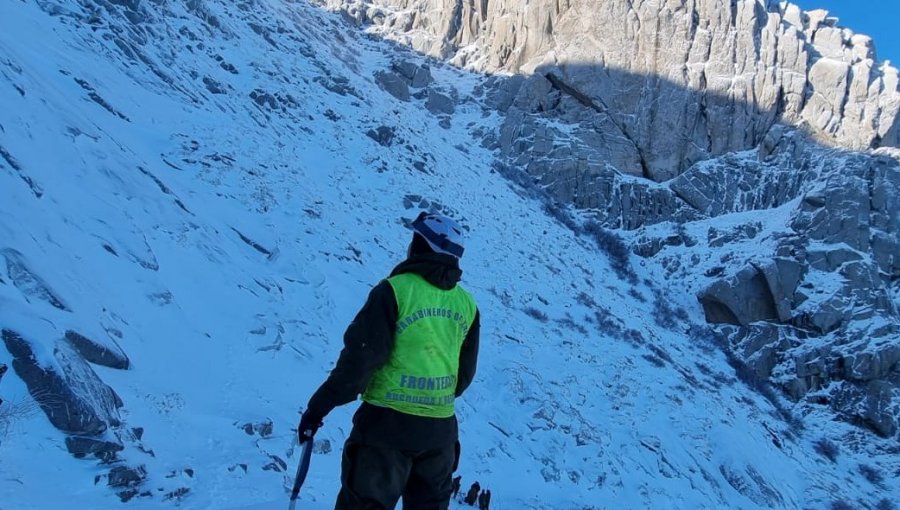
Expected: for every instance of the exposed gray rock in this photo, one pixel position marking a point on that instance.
(322, 447)
(751, 484)
(422, 77)
(27, 281)
(760, 346)
(384, 135)
(718, 237)
(393, 84)
(843, 214)
(741, 299)
(417, 76)
(831, 259)
(727, 185)
(125, 476)
(68, 391)
(782, 277)
(826, 317)
(405, 69)
(645, 246)
(810, 372)
(277, 464)
(176, 494)
(774, 58)
(833, 326)
(108, 353)
(438, 103)
(102, 449)
(127, 495)
(879, 362)
(872, 405)
(340, 85)
(262, 428)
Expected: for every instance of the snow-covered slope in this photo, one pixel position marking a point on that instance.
(195, 185)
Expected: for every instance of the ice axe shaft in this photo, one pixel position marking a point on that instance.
(302, 469)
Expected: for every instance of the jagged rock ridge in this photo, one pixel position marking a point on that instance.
(682, 80)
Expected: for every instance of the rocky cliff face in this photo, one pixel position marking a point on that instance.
(680, 80)
(650, 114)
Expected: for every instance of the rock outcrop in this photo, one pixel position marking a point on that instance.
(658, 97)
(819, 314)
(106, 353)
(719, 74)
(68, 391)
(74, 398)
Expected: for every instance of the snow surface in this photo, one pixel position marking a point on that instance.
(139, 211)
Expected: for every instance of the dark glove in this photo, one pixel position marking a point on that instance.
(308, 426)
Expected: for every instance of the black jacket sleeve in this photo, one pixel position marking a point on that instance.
(468, 356)
(368, 342)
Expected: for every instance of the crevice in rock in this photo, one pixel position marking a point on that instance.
(732, 12)
(456, 24)
(582, 98)
(848, 81)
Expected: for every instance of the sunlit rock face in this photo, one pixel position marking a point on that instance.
(681, 80)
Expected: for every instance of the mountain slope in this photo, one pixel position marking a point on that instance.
(660, 117)
(196, 187)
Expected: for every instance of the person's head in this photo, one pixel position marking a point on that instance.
(435, 233)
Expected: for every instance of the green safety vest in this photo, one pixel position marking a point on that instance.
(420, 376)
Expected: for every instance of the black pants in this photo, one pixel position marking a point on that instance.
(375, 478)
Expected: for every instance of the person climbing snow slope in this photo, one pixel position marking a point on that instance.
(410, 352)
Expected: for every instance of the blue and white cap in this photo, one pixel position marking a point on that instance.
(442, 234)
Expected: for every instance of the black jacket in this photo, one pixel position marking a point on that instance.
(368, 343)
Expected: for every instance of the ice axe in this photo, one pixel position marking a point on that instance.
(302, 469)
